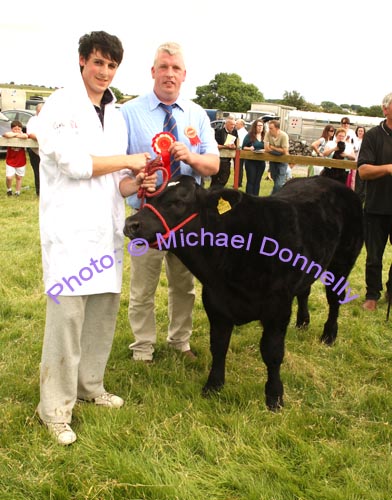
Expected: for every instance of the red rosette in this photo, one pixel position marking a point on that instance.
(161, 144)
(191, 133)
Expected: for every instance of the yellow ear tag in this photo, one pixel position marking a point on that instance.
(223, 206)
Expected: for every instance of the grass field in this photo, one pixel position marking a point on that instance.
(332, 441)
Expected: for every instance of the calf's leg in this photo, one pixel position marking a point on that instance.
(220, 334)
(275, 319)
(272, 352)
(341, 265)
(331, 325)
(303, 316)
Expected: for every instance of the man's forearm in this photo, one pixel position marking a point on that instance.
(207, 164)
(370, 172)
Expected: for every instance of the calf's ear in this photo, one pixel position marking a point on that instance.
(223, 200)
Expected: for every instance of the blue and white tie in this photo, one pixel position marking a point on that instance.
(170, 125)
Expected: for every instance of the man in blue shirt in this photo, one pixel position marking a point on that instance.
(197, 153)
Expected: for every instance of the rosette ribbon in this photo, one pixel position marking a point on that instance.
(191, 133)
(161, 144)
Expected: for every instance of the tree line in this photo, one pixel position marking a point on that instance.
(228, 92)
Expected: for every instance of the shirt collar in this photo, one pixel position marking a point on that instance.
(106, 99)
(385, 127)
(154, 102)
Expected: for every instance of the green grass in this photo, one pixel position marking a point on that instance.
(332, 441)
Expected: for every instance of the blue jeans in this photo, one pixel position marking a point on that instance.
(254, 173)
(278, 174)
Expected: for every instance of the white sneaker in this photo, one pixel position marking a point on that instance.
(62, 432)
(109, 400)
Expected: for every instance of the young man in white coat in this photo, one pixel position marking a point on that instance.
(83, 142)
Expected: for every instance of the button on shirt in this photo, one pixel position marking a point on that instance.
(144, 119)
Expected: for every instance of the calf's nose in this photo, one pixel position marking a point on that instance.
(130, 228)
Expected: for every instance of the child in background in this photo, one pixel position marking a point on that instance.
(15, 160)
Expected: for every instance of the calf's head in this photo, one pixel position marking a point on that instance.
(164, 212)
(182, 201)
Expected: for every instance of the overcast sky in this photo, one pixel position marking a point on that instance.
(326, 51)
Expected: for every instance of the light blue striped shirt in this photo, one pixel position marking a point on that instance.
(144, 119)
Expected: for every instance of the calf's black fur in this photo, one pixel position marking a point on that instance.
(315, 217)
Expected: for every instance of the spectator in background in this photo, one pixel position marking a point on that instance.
(360, 133)
(338, 149)
(276, 142)
(354, 182)
(375, 167)
(15, 159)
(226, 137)
(34, 152)
(241, 132)
(289, 172)
(318, 148)
(254, 141)
(350, 134)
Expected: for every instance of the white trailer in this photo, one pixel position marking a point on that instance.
(12, 99)
(260, 109)
(309, 125)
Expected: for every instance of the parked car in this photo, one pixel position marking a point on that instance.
(217, 124)
(5, 126)
(267, 118)
(8, 116)
(23, 115)
(32, 102)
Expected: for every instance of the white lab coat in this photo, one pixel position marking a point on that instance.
(81, 217)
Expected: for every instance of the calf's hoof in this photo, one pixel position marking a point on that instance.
(302, 324)
(274, 403)
(210, 390)
(327, 339)
(330, 333)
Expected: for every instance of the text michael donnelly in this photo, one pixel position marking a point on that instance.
(269, 247)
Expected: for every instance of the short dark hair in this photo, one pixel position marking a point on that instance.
(16, 123)
(276, 123)
(109, 45)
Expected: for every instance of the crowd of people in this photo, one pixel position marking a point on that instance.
(92, 157)
(343, 144)
(233, 135)
(260, 138)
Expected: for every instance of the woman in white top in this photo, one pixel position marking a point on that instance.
(338, 149)
(350, 134)
(318, 148)
(359, 132)
(335, 150)
(356, 183)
